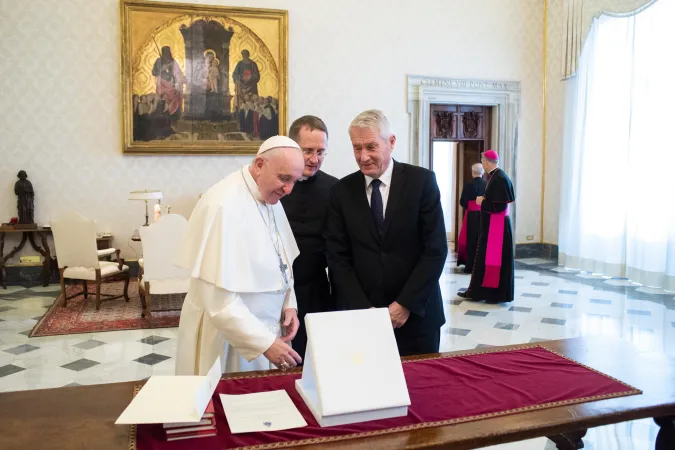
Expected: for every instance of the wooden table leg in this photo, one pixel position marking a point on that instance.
(569, 441)
(14, 251)
(44, 251)
(665, 440)
(3, 274)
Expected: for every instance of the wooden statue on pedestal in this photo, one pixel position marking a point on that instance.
(25, 201)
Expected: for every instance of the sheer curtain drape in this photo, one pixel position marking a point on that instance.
(618, 201)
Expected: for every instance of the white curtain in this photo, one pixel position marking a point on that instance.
(617, 206)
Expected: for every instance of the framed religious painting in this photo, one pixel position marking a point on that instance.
(200, 79)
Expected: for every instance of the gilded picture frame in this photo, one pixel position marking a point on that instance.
(201, 79)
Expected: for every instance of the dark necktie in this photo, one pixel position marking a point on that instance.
(376, 205)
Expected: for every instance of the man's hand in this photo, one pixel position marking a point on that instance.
(291, 324)
(479, 200)
(398, 314)
(282, 355)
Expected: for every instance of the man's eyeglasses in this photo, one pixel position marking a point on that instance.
(318, 153)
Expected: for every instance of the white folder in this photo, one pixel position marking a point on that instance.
(172, 399)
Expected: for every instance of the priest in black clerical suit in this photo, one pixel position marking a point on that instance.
(305, 209)
(386, 238)
(468, 234)
(492, 278)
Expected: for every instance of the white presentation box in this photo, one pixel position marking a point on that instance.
(352, 371)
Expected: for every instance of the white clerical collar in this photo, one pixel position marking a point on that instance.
(252, 185)
(385, 178)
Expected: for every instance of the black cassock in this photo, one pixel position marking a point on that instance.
(472, 189)
(306, 208)
(498, 194)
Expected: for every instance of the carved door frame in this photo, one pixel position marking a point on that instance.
(503, 96)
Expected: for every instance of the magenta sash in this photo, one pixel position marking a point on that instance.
(461, 244)
(493, 255)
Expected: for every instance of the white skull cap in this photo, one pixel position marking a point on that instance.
(277, 142)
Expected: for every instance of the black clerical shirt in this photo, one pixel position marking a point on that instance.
(305, 208)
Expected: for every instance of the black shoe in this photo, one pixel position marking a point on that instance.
(464, 294)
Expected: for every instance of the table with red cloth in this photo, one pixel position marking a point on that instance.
(443, 390)
(83, 417)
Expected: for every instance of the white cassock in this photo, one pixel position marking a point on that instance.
(237, 291)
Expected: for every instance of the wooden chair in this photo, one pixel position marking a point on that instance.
(78, 257)
(158, 273)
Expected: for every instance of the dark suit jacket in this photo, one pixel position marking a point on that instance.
(402, 265)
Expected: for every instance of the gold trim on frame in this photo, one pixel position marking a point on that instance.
(190, 148)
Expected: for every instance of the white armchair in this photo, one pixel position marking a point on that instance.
(78, 257)
(158, 273)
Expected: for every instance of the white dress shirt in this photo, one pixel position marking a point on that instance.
(385, 178)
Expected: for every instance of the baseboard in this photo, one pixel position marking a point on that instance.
(537, 250)
(29, 276)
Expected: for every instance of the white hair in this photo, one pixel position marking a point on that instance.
(373, 119)
(477, 169)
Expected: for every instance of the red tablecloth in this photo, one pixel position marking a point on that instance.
(443, 391)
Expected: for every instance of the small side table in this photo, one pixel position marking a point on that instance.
(26, 235)
(104, 242)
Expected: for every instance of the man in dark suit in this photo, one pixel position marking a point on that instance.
(386, 240)
(305, 208)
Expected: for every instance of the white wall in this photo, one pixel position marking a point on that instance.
(60, 93)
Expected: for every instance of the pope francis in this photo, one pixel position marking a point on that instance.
(239, 249)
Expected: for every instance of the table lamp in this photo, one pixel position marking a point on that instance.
(145, 196)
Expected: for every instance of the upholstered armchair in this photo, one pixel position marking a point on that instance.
(158, 273)
(78, 257)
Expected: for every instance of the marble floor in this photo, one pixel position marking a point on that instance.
(551, 303)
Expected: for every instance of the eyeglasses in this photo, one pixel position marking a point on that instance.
(318, 153)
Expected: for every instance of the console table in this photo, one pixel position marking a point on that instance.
(26, 235)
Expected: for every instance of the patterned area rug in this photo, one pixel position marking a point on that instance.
(80, 316)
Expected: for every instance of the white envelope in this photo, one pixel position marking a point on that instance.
(172, 399)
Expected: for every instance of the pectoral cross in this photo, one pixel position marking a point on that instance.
(283, 267)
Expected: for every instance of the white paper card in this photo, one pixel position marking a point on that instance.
(172, 399)
(262, 411)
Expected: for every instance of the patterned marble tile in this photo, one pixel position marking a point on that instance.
(9, 369)
(562, 305)
(153, 340)
(18, 350)
(91, 343)
(152, 359)
(551, 321)
(80, 364)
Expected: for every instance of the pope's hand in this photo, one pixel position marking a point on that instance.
(398, 314)
(291, 324)
(282, 355)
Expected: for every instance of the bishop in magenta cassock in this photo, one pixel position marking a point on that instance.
(492, 278)
(240, 249)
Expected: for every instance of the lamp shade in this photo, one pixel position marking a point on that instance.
(145, 195)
